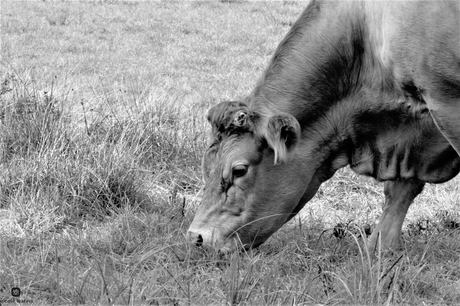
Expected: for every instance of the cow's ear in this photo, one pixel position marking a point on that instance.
(282, 133)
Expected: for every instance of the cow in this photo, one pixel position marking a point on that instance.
(373, 85)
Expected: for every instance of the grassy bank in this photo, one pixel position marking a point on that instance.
(102, 109)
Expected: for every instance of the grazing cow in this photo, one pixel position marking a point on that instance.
(374, 85)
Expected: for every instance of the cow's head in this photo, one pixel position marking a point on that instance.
(254, 177)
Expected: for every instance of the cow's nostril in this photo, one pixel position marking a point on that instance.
(199, 241)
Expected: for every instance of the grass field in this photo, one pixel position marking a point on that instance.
(102, 109)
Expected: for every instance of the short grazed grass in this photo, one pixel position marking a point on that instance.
(102, 110)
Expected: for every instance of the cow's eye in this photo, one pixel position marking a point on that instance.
(213, 144)
(240, 170)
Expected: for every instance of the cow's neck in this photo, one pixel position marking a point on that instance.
(387, 140)
(391, 140)
(305, 78)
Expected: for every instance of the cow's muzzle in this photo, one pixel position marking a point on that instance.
(195, 238)
(211, 238)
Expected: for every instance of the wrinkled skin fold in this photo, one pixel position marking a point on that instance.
(364, 84)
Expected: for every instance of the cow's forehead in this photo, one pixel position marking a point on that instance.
(242, 145)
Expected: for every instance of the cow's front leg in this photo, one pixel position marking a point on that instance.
(399, 195)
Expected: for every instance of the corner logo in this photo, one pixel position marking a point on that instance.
(16, 292)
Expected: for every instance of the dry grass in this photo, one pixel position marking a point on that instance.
(102, 109)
